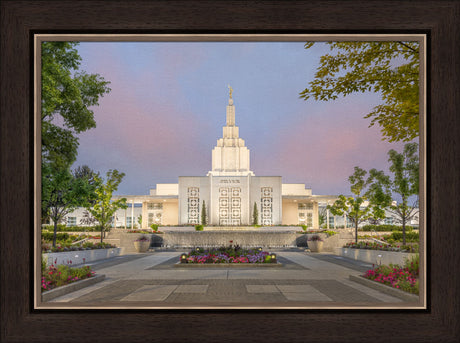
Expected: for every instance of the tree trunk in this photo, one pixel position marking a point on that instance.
(102, 232)
(356, 232)
(55, 233)
(404, 230)
(404, 214)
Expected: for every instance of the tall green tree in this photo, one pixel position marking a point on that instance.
(204, 218)
(67, 94)
(388, 68)
(404, 182)
(322, 216)
(88, 175)
(364, 204)
(104, 207)
(255, 215)
(62, 193)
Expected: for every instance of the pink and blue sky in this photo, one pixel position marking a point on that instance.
(168, 104)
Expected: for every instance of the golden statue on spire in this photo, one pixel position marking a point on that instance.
(231, 91)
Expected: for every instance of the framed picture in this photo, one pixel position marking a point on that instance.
(140, 19)
(160, 113)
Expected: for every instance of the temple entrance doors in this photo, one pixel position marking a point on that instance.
(229, 206)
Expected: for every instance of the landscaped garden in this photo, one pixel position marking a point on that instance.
(412, 248)
(391, 242)
(405, 278)
(61, 275)
(231, 254)
(66, 242)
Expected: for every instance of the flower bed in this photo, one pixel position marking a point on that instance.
(56, 276)
(227, 255)
(405, 278)
(63, 247)
(384, 247)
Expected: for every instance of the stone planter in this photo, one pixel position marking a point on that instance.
(142, 246)
(376, 257)
(80, 256)
(315, 246)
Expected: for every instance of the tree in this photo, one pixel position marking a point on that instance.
(62, 193)
(388, 68)
(104, 208)
(203, 214)
(356, 208)
(322, 216)
(88, 175)
(66, 96)
(255, 215)
(405, 183)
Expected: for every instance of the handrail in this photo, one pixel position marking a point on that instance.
(377, 240)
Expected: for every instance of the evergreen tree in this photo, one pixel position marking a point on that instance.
(255, 215)
(204, 220)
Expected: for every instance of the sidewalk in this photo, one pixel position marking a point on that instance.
(304, 280)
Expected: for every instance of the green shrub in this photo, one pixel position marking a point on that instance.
(413, 264)
(199, 227)
(398, 236)
(154, 227)
(48, 236)
(304, 228)
(384, 228)
(65, 228)
(330, 233)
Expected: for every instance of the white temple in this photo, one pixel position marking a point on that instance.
(229, 192)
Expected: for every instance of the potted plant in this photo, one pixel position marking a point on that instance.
(315, 243)
(142, 244)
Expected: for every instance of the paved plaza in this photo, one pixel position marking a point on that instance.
(303, 280)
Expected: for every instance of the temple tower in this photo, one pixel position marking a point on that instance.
(230, 157)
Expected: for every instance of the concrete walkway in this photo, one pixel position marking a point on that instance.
(305, 280)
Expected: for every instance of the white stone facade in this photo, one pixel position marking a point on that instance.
(230, 200)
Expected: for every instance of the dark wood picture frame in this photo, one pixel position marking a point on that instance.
(440, 20)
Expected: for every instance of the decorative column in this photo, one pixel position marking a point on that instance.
(132, 214)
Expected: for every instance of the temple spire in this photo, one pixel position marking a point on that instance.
(230, 156)
(230, 109)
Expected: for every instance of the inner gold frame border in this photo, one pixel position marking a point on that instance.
(186, 38)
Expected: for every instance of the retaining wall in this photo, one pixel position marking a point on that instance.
(77, 256)
(376, 257)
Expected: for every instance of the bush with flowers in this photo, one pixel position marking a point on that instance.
(413, 248)
(56, 276)
(230, 254)
(61, 247)
(405, 278)
(142, 239)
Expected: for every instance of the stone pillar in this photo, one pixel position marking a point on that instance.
(315, 215)
(145, 216)
(132, 214)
